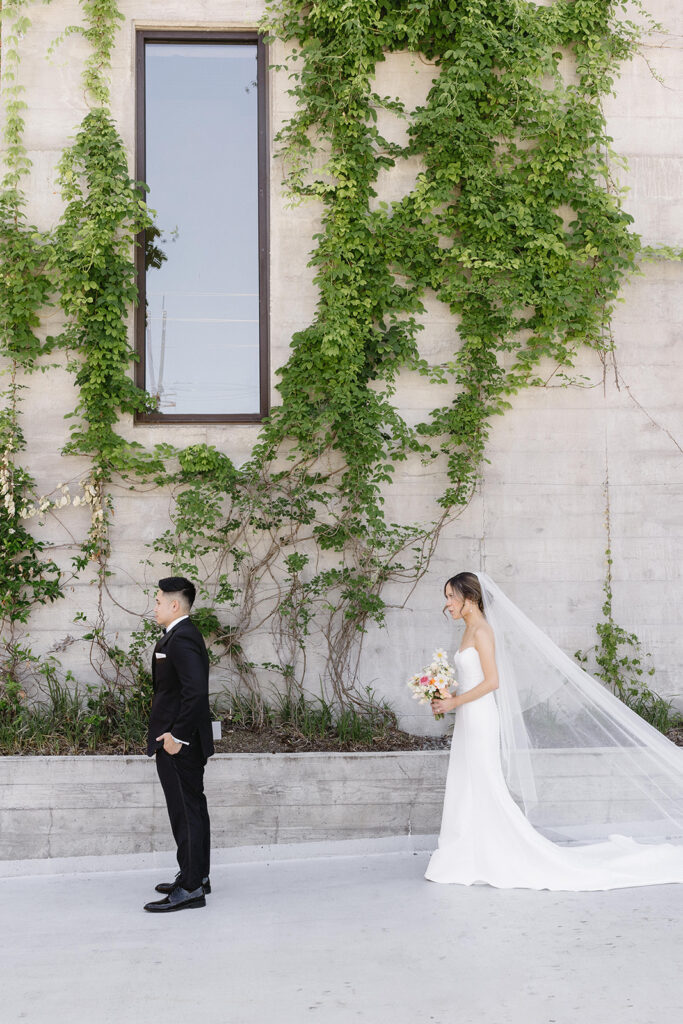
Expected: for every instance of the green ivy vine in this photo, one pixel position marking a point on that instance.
(506, 147)
(617, 657)
(512, 224)
(95, 280)
(29, 577)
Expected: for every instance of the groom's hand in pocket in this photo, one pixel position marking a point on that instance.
(170, 745)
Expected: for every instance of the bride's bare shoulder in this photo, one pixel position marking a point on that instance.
(484, 636)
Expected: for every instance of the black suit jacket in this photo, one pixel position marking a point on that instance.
(180, 678)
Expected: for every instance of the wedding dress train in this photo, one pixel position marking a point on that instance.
(486, 837)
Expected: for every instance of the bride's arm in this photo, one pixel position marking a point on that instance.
(483, 641)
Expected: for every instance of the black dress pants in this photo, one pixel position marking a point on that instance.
(182, 780)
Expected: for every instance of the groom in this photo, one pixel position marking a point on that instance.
(180, 734)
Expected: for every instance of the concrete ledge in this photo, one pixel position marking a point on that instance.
(65, 807)
(56, 808)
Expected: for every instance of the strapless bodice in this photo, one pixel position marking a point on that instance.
(468, 669)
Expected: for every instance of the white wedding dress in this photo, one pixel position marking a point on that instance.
(485, 836)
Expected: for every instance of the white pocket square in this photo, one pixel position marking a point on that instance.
(157, 655)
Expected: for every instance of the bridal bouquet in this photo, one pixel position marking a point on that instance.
(434, 681)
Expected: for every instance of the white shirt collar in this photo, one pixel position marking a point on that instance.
(175, 622)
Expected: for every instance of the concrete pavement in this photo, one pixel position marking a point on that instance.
(335, 939)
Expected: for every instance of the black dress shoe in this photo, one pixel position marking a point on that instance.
(178, 899)
(167, 887)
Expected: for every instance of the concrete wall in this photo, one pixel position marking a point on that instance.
(90, 806)
(54, 807)
(537, 522)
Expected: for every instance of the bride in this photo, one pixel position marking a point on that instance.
(553, 783)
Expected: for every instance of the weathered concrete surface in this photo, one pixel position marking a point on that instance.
(537, 523)
(335, 940)
(54, 807)
(57, 807)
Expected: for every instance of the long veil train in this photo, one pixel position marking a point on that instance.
(580, 764)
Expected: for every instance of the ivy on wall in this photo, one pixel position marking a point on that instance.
(511, 223)
(95, 276)
(28, 576)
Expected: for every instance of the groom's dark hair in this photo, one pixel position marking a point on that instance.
(179, 585)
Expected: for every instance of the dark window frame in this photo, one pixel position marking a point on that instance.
(178, 36)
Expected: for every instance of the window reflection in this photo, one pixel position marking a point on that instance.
(202, 268)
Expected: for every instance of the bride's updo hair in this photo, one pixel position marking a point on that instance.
(468, 586)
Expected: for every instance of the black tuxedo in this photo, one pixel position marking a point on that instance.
(180, 678)
(180, 705)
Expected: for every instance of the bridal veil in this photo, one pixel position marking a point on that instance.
(580, 764)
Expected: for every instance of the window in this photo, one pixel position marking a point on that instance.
(202, 331)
